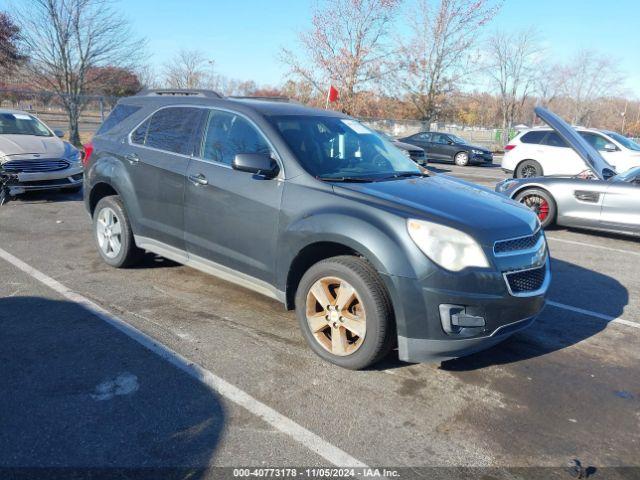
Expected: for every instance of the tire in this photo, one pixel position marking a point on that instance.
(370, 301)
(461, 159)
(528, 169)
(128, 254)
(542, 203)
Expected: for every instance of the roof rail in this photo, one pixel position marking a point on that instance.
(271, 99)
(179, 92)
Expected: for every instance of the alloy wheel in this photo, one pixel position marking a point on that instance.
(109, 232)
(538, 204)
(336, 316)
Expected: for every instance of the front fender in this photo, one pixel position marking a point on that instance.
(384, 243)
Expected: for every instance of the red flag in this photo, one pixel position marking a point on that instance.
(333, 94)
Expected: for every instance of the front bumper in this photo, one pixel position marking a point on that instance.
(421, 332)
(486, 158)
(67, 178)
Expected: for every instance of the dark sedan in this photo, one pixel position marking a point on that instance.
(414, 152)
(449, 148)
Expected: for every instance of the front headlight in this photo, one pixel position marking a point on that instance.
(477, 152)
(450, 248)
(74, 156)
(407, 153)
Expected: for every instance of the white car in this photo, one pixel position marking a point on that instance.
(542, 152)
(34, 152)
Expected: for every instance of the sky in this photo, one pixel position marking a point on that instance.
(244, 37)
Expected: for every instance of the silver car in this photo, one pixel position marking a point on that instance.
(37, 155)
(598, 199)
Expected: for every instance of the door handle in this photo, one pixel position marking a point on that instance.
(198, 179)
(132, 158)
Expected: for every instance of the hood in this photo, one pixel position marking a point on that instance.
(406, 146)
(477, 211)
(590, 155)
(30, 145)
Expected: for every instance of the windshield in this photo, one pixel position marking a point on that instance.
(342, 149)
(627, 142)
(628, 176)
(22, 124)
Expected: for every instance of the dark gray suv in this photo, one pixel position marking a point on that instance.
(312, 208)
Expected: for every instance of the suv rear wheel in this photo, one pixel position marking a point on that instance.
(113, 234)
(345, 313)
(528, 169)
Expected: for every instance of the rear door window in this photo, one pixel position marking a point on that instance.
(170, 129)
(533, 137)
(228, 134)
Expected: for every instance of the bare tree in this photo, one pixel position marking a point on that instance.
(438, 55)
(513, 65)
(65, 39)
(344, 47)
(10, 54)
(188, 69)
(590, 76)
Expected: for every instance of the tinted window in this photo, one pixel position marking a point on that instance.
(554, 140)
(424, 136)
(169, 129)
(116, 116)
(229, 134)
(595, 140)
(440, 139)
(140, 134)
(533, 137)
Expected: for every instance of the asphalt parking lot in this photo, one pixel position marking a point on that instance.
(82, 389)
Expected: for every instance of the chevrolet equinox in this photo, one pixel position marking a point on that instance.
(314, 209)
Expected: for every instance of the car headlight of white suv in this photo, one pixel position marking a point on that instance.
(450, 248)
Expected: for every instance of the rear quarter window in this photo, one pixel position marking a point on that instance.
(533, 137)
(554, 140)
(117, 116)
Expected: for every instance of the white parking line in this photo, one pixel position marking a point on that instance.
(584, 244)
(278, 421)
(602, 316)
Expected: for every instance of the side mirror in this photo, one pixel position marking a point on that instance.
(58, 133)
(255, 163)
(609, 147)
(449, 142)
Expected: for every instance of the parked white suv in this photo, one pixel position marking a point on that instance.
(541, 151)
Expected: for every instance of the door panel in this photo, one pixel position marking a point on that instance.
(231, 217)
(581, 203)
(621, 207)
(157, 160)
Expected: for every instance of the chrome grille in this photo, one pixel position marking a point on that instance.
(34, 166)
(416, 153)
(522, 243)
(526, 281)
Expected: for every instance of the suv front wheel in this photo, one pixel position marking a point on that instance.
(113, 234)
(345, 313)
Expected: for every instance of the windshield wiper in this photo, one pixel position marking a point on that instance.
(403, 175)
(347, 179)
